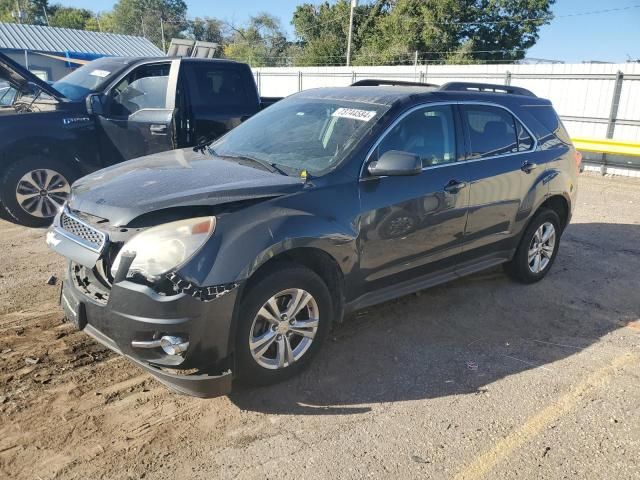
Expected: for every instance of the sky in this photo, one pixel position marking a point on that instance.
(613, 36)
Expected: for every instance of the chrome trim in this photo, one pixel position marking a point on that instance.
(65, 233)
(457, 162)
(146, 343)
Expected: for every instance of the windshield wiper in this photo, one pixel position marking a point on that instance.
(272, 167)
(201, 146)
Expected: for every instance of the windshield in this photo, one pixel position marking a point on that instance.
(88, 78)
(301, 133)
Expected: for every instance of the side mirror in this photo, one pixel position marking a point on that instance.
(94, 104)
(396, 163)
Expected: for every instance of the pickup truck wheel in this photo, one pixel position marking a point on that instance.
(283, 321)
(537, 249)
(32, 190)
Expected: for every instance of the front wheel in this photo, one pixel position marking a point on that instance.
(283, 321)
(537, 249)
(33, 189)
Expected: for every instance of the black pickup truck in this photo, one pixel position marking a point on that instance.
(108, 111)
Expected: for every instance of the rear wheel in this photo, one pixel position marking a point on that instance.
(283, 321)
(537, 249)
(32, 190)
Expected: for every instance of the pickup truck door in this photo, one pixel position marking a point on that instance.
(138, 115)
(217, 98)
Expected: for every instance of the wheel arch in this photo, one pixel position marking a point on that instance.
(559, 204)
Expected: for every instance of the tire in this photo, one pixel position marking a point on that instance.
(530, 269)
(35, 209)
(283, 283)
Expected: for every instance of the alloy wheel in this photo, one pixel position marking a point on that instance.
(284, 328)
(42, 192)
(542, 247)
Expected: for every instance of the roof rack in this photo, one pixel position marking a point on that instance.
(371, 82)
(484, 87)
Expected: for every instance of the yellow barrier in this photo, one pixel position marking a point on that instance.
(615, 147)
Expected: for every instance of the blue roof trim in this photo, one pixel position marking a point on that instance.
(54, 40)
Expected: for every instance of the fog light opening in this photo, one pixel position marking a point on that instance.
(173, 345)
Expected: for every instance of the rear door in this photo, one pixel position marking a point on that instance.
(139, 109)
(499, 146)
(412, 226)
(219, 96)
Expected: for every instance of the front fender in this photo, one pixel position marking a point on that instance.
(247, 239)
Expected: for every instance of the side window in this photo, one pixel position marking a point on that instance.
(212, 85)
(525, 142)
(492, 130)
(428, 132)
(145, 87)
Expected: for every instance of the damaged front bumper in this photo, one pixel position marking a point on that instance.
(135, 314)
(131, 318)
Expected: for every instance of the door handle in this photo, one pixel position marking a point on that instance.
(528, 167)
(158, 129)
(454, 186)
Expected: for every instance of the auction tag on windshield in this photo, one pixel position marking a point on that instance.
(354, 114)
(100, 73)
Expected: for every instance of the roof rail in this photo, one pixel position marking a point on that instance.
(485, 87)
(372, 82)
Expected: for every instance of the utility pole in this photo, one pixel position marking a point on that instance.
(44, 10)
(164, 46)
(354, 4)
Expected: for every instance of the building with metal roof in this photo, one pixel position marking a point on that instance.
(52, 52)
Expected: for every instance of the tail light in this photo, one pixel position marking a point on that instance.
(578, 156)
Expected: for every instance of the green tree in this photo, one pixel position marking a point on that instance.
(323, 29)
(206, 30)
(69, 17)
(101, 22)
(391, 31)
(32, 11)
(261, 42)
(148, 18)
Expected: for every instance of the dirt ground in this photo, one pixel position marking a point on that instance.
(479, 378)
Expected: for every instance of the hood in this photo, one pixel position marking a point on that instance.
(20, 77)
(175, 178)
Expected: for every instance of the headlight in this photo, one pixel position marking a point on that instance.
(166, 247)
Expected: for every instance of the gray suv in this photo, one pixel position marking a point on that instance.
(232, 260)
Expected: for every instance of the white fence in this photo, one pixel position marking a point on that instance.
(594, 100)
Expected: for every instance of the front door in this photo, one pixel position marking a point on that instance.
(138, 114)
(413, 225)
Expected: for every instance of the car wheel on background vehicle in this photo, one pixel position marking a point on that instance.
(537, 249)
(33, 189)
(284, 318)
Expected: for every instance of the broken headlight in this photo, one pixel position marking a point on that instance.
(165, 247)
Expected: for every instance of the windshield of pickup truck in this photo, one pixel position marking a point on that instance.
(301, 133)
(89, 78)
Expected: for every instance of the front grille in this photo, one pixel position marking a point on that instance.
(89, 235)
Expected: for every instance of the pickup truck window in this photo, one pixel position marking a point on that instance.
(302, 134)
(88, 78)
(145, 87)
(210, 85)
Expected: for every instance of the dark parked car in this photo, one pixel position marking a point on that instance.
(235, 260)
(110, 110)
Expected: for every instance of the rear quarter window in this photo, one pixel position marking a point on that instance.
(547, 116)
